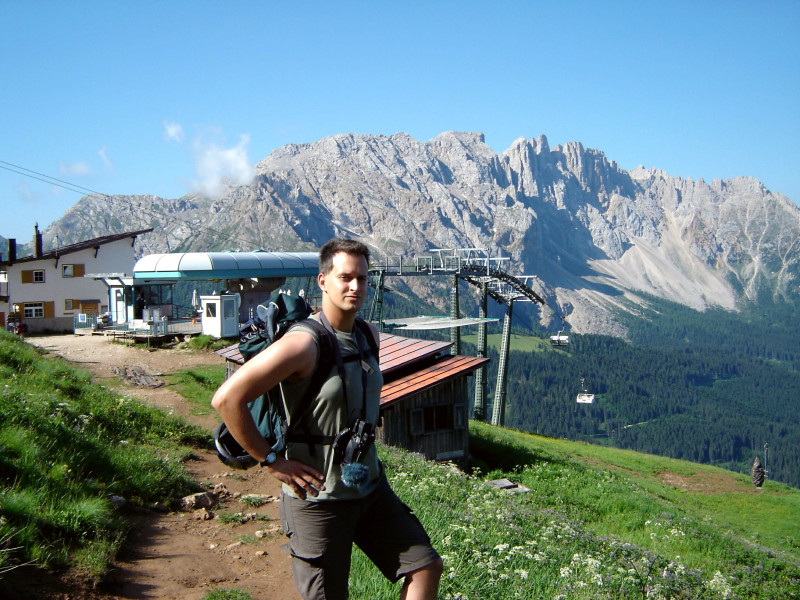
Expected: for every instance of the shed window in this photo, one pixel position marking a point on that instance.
(431, 419)
(459, 416)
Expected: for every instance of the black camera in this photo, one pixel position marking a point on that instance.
(352, 443)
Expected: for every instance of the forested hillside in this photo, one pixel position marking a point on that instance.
(709, 387)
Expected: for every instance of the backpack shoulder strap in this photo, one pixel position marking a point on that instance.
(367, 333)
(328, 351)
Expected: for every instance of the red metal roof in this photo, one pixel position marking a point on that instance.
(395, 351)
(231, 353)
(398, 351)
(443, 370)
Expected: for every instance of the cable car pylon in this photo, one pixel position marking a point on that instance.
(478, 268)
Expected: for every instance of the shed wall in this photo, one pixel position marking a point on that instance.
(432, 423)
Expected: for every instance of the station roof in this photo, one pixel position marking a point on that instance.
(420, 364)
(214, 266)
(395, 351)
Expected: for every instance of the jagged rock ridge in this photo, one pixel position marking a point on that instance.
(593, 232)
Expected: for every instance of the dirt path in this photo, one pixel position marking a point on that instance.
(175, 555)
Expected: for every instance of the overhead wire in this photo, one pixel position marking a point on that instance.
(90, 193)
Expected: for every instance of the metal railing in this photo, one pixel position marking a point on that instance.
(87, 323)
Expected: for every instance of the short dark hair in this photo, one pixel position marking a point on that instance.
(336, 245)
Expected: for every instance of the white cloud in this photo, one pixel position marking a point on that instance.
(173, 132)
(26, 193)
(103, 154)
(214, 164)
(78, 168)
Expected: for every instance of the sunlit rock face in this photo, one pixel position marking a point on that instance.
(593, 233)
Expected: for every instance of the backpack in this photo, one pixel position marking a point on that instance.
(271, 323)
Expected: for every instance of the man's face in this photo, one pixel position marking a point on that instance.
(346, 284)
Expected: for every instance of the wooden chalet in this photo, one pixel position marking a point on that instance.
(425, 395)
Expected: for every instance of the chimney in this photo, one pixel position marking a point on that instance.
(12, 250)
(37, 242)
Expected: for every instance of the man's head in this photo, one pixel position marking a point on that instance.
(343, 270)
(336, 245)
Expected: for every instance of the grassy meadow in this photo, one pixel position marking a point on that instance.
(70, 452)
(596, 522)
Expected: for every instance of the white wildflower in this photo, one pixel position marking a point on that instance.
(719, 583)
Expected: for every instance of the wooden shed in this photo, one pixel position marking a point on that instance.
(425, 395)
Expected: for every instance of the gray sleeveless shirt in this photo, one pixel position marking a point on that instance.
(330, 413)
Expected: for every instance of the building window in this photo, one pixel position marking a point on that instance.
(68, 305)
(155, 295)
(38, 276)
(441, 417)
(33, 310)
(67, 271)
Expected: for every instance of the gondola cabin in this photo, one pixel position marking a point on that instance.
(559, 340)
(585, 398)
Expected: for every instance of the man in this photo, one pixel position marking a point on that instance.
(323, 513)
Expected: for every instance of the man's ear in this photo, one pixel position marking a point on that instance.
(321, 281)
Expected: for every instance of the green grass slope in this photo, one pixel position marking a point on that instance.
(70, 453)
(596, 523)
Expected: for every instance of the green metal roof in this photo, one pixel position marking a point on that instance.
(210, 266)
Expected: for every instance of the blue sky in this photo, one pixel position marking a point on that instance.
(163, 98)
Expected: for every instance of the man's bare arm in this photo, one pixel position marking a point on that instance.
(292, 357)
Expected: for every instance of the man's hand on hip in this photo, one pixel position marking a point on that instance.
(301, 478)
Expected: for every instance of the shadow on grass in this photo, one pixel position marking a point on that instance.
(489, 453)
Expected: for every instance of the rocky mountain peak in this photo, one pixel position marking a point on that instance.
(590, 230)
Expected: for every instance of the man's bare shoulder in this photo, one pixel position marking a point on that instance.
(296, 342)
(294, 355)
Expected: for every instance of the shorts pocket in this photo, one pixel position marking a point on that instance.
(301, 544)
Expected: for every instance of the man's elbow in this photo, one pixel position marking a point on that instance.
(218, 402)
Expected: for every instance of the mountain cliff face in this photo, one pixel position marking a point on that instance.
(592, 232)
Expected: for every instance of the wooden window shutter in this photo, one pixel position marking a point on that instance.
(78, 270)
(49, 309)
(27, 276)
